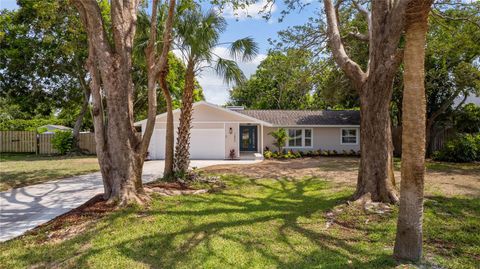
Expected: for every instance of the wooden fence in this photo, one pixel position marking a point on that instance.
(25, 141)
(18, 141)
(439, 137)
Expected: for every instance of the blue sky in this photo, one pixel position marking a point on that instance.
(239, 26)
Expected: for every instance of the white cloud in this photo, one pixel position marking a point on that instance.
(214, 88)
(256, 10)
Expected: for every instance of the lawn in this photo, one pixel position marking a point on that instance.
(258, 222)
(18, 170)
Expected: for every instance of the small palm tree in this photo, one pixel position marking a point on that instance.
(280, 136)
(197, 36)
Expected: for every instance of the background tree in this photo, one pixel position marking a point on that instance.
(273, 86)
(42, 58)
(408, 242)
(197, 35)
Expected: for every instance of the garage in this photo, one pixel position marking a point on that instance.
(204, 144)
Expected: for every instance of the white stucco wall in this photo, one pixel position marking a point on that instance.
(324, 138)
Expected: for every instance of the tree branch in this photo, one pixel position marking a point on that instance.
(156, 68)
(91, 16)
(351, 68)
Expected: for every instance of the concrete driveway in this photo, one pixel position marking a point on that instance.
(25, 208)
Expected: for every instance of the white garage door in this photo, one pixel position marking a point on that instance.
(204, 144)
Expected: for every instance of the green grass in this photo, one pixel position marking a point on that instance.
(253, 223)
(18, 170)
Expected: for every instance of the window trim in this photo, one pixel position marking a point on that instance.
(356, 136)
(303, 138)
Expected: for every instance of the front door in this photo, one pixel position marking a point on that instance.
(248, 135)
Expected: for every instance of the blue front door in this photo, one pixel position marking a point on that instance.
(248, 138)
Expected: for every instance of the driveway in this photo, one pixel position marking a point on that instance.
(25, 208)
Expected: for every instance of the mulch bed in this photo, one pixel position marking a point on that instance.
(74, 220)
(77, 220)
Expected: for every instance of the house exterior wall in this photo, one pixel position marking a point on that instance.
(232, 140)
(324, 138)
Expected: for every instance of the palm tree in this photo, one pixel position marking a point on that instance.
(408, 242)
(198, 35)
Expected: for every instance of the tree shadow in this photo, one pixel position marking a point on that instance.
(230, 228)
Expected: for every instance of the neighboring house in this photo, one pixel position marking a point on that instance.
(51, 128)
(217, 130)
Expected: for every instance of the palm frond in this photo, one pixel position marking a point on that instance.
(230, 71)
(245, 49)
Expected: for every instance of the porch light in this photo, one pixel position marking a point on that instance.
(230, 130)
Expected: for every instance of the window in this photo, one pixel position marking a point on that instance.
(299, 138)
(349, 136)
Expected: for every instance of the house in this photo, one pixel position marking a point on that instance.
(216, 131)
(51, 128)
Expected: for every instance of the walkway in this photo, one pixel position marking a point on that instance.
(25, 208)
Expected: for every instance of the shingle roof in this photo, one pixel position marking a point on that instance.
(305, 117)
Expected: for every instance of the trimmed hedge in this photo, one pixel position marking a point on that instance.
(463, 148)
(267, 154)
(27, 125)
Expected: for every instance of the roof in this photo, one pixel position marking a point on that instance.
(53, 126)
(244, 116)
(305, 117)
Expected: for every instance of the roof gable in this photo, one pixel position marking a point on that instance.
(206, 112)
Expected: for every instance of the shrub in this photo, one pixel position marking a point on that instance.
(280, 136)
(62, 141)
(268, 154)
(463, 148)
(27, 125)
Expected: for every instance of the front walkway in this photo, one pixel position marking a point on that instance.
(25, 208)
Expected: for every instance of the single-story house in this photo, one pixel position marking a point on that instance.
(52, 128)
(216, 131)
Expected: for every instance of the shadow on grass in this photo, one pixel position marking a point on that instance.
(253, 224)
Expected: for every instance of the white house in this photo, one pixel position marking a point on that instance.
(216, 131)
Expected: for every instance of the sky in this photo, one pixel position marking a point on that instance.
(239, 26)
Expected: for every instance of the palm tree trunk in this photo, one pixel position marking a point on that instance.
(408, 242)
(182, 154)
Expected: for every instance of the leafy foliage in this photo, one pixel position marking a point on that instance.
(62, 141)
(467, 120)
(280, 135)
(28, 125)
(464, 148)
(42, 54)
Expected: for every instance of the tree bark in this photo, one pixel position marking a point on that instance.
(385, 25)
(169, 133)
(120, 152)
(408, 242)
(182, 154)
(81, 115)
(376, 180)
(158, 71)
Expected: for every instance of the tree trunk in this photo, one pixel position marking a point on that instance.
(81, 115)
(170, 132)
(119, 151)
(182, 154)
(374, 85)
(408, 242)
(376, 180)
